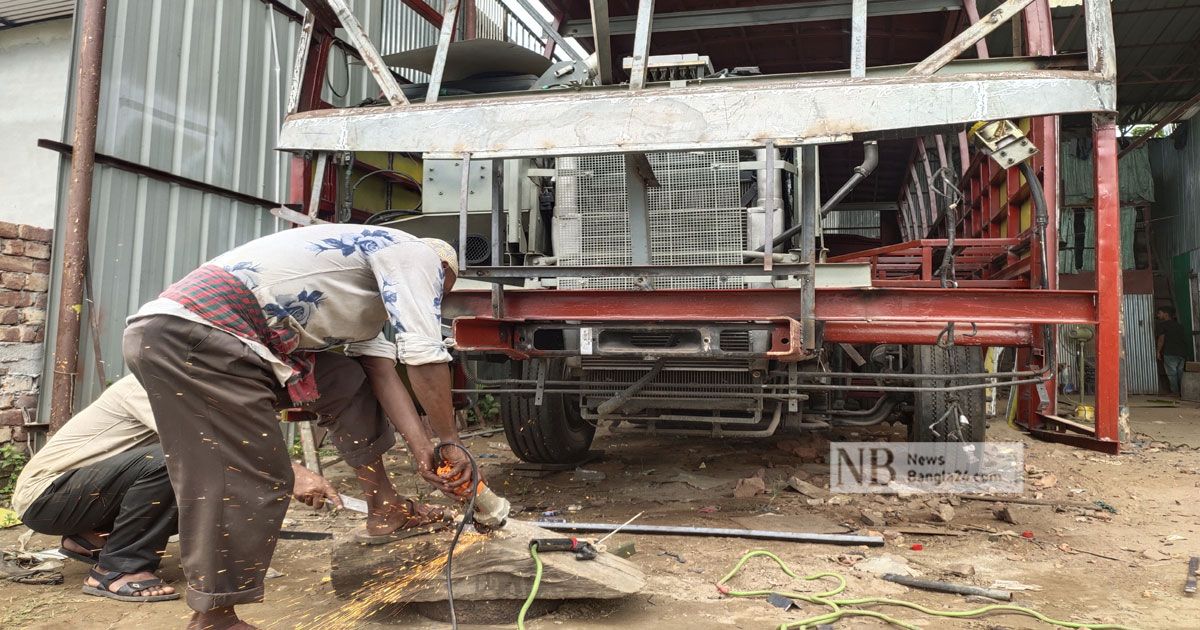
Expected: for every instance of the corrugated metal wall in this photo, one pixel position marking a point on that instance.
(1176, 226)
(1140, 373)
(1141, 363)
(860, 222)
(197, 88)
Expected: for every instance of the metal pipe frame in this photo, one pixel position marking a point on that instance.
(736, 113)
(73, 246)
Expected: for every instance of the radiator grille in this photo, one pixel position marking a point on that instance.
(735, 340)
(696, 216)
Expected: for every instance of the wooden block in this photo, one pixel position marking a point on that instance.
(496, 566)
(1191, 366)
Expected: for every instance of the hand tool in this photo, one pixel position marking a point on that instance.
(491, 509)
(582, 549)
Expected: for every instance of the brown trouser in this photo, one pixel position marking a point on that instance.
(214, 401)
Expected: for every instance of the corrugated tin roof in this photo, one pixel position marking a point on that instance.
(1156, 53)
(19, 12)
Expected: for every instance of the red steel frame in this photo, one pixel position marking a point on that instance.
(995, 307)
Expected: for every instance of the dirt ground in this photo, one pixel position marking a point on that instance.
(1134, 579)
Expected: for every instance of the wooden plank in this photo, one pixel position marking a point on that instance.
(970, 35)
(486, 568)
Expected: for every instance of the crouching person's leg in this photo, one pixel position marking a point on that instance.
(116, 514)
(213, 400)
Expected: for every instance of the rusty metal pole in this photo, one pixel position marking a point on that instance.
(79, 209)
(1108, 279)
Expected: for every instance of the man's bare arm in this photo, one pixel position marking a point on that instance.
(393, 396)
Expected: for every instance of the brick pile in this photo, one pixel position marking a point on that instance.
(24, 283)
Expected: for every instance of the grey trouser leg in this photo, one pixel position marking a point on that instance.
(348, 408)
(213, 399)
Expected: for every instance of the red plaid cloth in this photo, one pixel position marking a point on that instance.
(223, 301)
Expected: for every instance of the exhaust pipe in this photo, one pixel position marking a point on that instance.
(861, 172)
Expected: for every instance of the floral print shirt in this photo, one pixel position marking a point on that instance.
(337, 285)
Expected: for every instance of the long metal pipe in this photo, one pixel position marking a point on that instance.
(861, 172)
(716, 532)
(74, 243)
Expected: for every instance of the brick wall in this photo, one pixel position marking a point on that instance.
(24, 282)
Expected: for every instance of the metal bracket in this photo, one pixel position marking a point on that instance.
(793, 379)
(540, 393)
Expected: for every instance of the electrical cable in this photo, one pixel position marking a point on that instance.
(837, 611)
(468, 515)
(537, 582)
(329, 81)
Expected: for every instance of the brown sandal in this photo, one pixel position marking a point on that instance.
(420, 519)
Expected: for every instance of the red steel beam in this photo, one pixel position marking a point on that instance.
(1108, 279)
(1010, 306)
(927, 334)
(427, 12)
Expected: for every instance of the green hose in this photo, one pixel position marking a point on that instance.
(836, 610)
(537, 581)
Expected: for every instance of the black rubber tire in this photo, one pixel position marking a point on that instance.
(930, 423)
(553, 433)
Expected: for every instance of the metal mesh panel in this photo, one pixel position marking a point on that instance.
(696, 216)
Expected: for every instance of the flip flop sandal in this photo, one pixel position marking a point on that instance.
(416, 524)
(92, 557)
(126, 592)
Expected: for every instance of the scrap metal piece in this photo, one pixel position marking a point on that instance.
(615, 403)
(947, 587)
(720, 532)
(1189, 587)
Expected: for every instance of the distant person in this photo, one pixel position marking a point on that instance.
(1172, 341)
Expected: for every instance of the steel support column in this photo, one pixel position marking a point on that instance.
(1108, 279)
(74, 244)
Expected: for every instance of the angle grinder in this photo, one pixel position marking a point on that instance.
(491, 509)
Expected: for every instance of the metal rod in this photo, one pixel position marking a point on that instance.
(630, 271)
(370, 55)
(870, 161)
(769, 201)
(602, 40)
(946, 587)
(1101, 43)
(858, 39)
(314, 200)
(302, 49)
(464, 202)
(616, 402)
(972, 9)
(449, 20)
(74, 247)
(641, 44)
(718, 532)
(548, 28)
(1175, 115)
(810, 223)
(161, 175)
(497, 234)
(966, 39)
